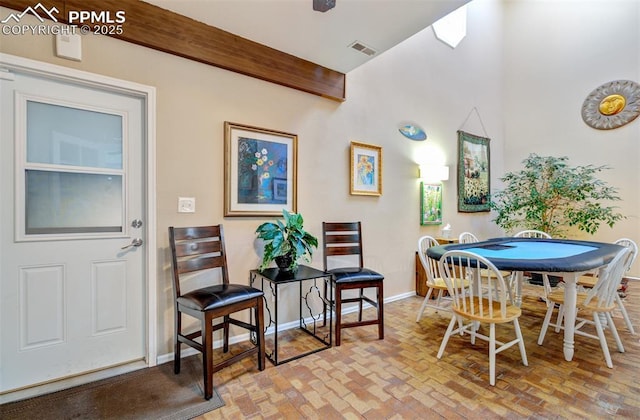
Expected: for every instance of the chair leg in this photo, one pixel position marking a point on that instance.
(380, 312)
(447, 334)
(326, 299)
(614, 332)
(207, 356)
(424, 303)
(492, 353)
(625, 315)
(545, 324)
(176, 342)
(360, 302)
(225, 343)
(603, 340)
(259, 308)
(560, 317)
(338, 304)
(523, 352)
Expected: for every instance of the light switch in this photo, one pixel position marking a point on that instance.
(69, 46)
(186, 205)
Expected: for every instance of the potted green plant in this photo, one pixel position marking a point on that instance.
(551, 196)
(285, 243)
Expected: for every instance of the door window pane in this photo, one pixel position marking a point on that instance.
(62, 135)
(62, 202)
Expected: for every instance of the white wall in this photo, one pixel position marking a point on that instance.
(422, 80)
(556, 53)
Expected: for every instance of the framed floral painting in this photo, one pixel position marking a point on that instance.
(366, 169)
(473, 173)
(260, 171)
(430, 204)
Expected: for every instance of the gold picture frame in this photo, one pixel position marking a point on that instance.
(260, 171)
(366, 169)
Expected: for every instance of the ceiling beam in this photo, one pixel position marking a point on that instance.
(163, 30)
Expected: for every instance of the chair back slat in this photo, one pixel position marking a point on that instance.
(351, 238)
(609, 279)
(196, 249)
(629, 243)
(474, 294)
(201, 263)
(338, 243)
(186, 249)
(532, 233)
(429, 265)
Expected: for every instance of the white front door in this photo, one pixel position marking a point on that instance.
(72, 294)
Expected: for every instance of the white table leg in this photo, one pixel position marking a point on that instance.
(570, 293)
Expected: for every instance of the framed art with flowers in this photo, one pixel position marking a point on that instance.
(366, 169)
(260, 171)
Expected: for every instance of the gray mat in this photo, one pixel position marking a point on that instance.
(153, 393)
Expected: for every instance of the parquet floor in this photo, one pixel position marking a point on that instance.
(400, 378)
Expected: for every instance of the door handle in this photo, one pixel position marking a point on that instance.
(134, 243)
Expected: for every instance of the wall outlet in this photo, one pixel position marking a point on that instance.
(186, 205)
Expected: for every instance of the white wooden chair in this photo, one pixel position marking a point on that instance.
(599, 302)
(467, 238)
(435, 282)
(546, 284)
(588, 282)
(482, 301)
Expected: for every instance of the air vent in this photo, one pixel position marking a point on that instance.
(359, 46)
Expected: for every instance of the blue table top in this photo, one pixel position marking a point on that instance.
(537, 254)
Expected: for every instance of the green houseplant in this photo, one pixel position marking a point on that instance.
(549, 195)
(285, 243)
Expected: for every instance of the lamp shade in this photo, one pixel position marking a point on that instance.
(434, 173)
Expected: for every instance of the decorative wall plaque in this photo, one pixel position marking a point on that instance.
(612, 105)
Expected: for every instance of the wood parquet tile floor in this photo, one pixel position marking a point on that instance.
(401, 378)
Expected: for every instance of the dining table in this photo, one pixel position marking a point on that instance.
(566, 258)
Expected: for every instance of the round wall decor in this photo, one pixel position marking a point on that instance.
(612, 105)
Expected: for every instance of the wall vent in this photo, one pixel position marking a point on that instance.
(359, 46)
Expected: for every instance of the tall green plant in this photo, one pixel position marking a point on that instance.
(286, 239)
(549, 195)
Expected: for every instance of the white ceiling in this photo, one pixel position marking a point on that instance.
(292, 26)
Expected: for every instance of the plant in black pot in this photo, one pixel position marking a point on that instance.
(286, 242)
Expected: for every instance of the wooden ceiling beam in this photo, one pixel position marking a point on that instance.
(153, 27)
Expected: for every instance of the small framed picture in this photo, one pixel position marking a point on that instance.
(366, 169)
(430, 204)
(260, 171)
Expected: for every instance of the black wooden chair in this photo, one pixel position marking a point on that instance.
(194, 250)
(345, 239)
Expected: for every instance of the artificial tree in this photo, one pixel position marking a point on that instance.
(551, 196)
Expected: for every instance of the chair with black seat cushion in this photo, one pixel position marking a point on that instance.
(344, 239)
(198, 253)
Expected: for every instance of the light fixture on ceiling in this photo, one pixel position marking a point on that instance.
(323, 5)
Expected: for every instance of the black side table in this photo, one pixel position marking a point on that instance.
(312, 303)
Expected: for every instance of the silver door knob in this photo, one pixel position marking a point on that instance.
(134, 243)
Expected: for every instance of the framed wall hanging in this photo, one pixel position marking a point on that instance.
(430, 204)
(366, 169)
(473, 173)
(260, 175)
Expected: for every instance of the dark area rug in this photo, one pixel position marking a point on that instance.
(153, 393)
